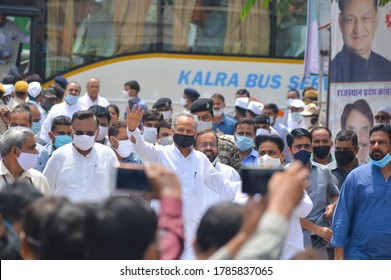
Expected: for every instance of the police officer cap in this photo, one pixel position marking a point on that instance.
(262, 119)
(61, 81)
(191, 93)
(162, 102)
(202, 105)
(21, 86)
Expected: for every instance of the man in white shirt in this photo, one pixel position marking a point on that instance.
(67, 108)
(271, 152)
(83, 169)
(19, 156)
(192, 167)
(207, 143)
(92, 97)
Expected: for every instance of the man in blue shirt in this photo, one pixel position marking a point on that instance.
(221, 123)
(245, 131)
(131, 90)
(362, 218)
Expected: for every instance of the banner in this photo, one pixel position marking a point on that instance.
(318, 37)
(360, 68)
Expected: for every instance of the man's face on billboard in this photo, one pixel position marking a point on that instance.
(358, 23)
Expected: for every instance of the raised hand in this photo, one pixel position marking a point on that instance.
(133, 118)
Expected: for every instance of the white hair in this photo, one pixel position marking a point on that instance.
(184, 114)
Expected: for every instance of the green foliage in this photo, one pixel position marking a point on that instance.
(382, 3)
(246, 9)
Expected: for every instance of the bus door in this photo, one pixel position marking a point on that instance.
(19, 37)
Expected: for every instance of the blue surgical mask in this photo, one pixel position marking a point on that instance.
(61, 140)
(71, 99)
(244, 143)
(303, 155)
(383, 162)
(36, 127)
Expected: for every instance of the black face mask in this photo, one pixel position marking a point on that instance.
(321, 151)
(303, 155)
(183, 141)
(344, 157)
(47, 105)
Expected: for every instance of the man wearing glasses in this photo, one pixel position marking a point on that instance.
(207, 143)
(81, 170)
(322, 190)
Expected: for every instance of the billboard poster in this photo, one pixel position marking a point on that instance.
(360, 67)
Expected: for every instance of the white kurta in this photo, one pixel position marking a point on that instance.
(79, 178)
(294, 241)
(57, 110)
(195, 173)
(86, 102)
(232, 175)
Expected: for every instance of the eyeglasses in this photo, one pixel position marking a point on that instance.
(383, 118)
(206, 144)
(79, 132)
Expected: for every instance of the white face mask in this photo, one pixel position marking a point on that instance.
(218, 113)
(126, 95)
(83, 142)
(262, 131)
(149, 134)
(125, 148)
(102, 133)
(267, 161)
(165, 141)
(183, 102)
(204, 126)
(296, 117)
(289, 102)
(27, 160)
(166, 114)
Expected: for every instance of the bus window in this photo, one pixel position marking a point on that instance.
(291, 31)
(95, 34)
(14, 43)
(215, 27)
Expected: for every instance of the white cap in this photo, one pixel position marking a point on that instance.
(9, 88)
(297, 103)
(242, 102)
(255, 107)
(34, 89)
(385, 109)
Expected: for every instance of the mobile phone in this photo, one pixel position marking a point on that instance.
(255, 181)
(133, 179)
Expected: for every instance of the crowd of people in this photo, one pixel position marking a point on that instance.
(61, 151)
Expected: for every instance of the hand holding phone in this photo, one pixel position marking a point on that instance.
(154, 179)
(132, 177)
(255, 181)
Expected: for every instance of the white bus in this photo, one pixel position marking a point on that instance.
(168, 45)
